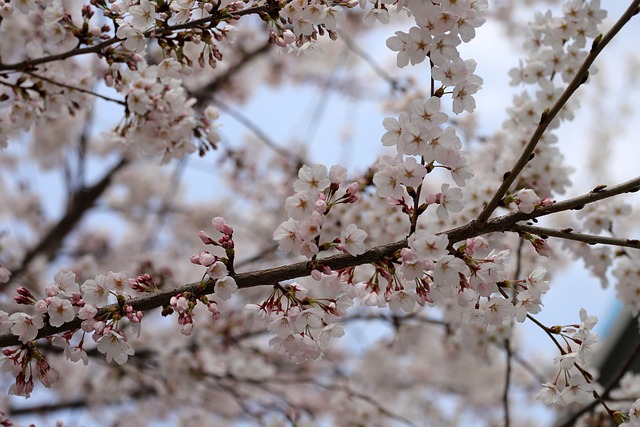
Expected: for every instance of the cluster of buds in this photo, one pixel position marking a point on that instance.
(184, 304)
(219, 270)
(19, 361)
(143, 283)
(225, 242)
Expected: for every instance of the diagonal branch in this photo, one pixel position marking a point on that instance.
(258, 132)
(551, 113)
(83, 200)
(205, 93)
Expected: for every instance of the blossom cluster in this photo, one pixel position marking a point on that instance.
(160, 115)
(316, 193)
(440, 28)
(420, 137)
(429, 274)
(308, 19)
(572, 383)
(556, 47)
(162, 118)
(66, 300)
(301, 325)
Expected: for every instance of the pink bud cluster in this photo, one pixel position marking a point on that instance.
(218, 270)
(25, 363)
(184, 305)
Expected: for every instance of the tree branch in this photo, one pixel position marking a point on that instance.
(75, 88)
(216, 18)
(275, 275)
(569, 234)
(287, 154)
(81, 202)
(205, 93)
(550, 114)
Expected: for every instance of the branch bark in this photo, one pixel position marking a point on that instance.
(275, 275)
(83, 200)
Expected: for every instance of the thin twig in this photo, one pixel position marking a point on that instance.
(257, 131)
(348, 41)
(569, 234)
(82, 200)
(75, 88)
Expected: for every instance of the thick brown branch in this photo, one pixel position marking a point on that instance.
(549, 115)
(275, 275)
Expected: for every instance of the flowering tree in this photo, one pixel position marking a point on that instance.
(136, 320)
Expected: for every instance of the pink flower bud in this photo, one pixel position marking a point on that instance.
(288, 36)
(42, 306)
(205, 238)
(407, 254)
(316, 275)
(99, 326)
(219, 223)
(187, 328)
(207, 259)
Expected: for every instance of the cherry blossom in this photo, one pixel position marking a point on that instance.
(311, 251)
(60, 311)
(115, 347)
(225, 287)
(353, 239)
(25, 326)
